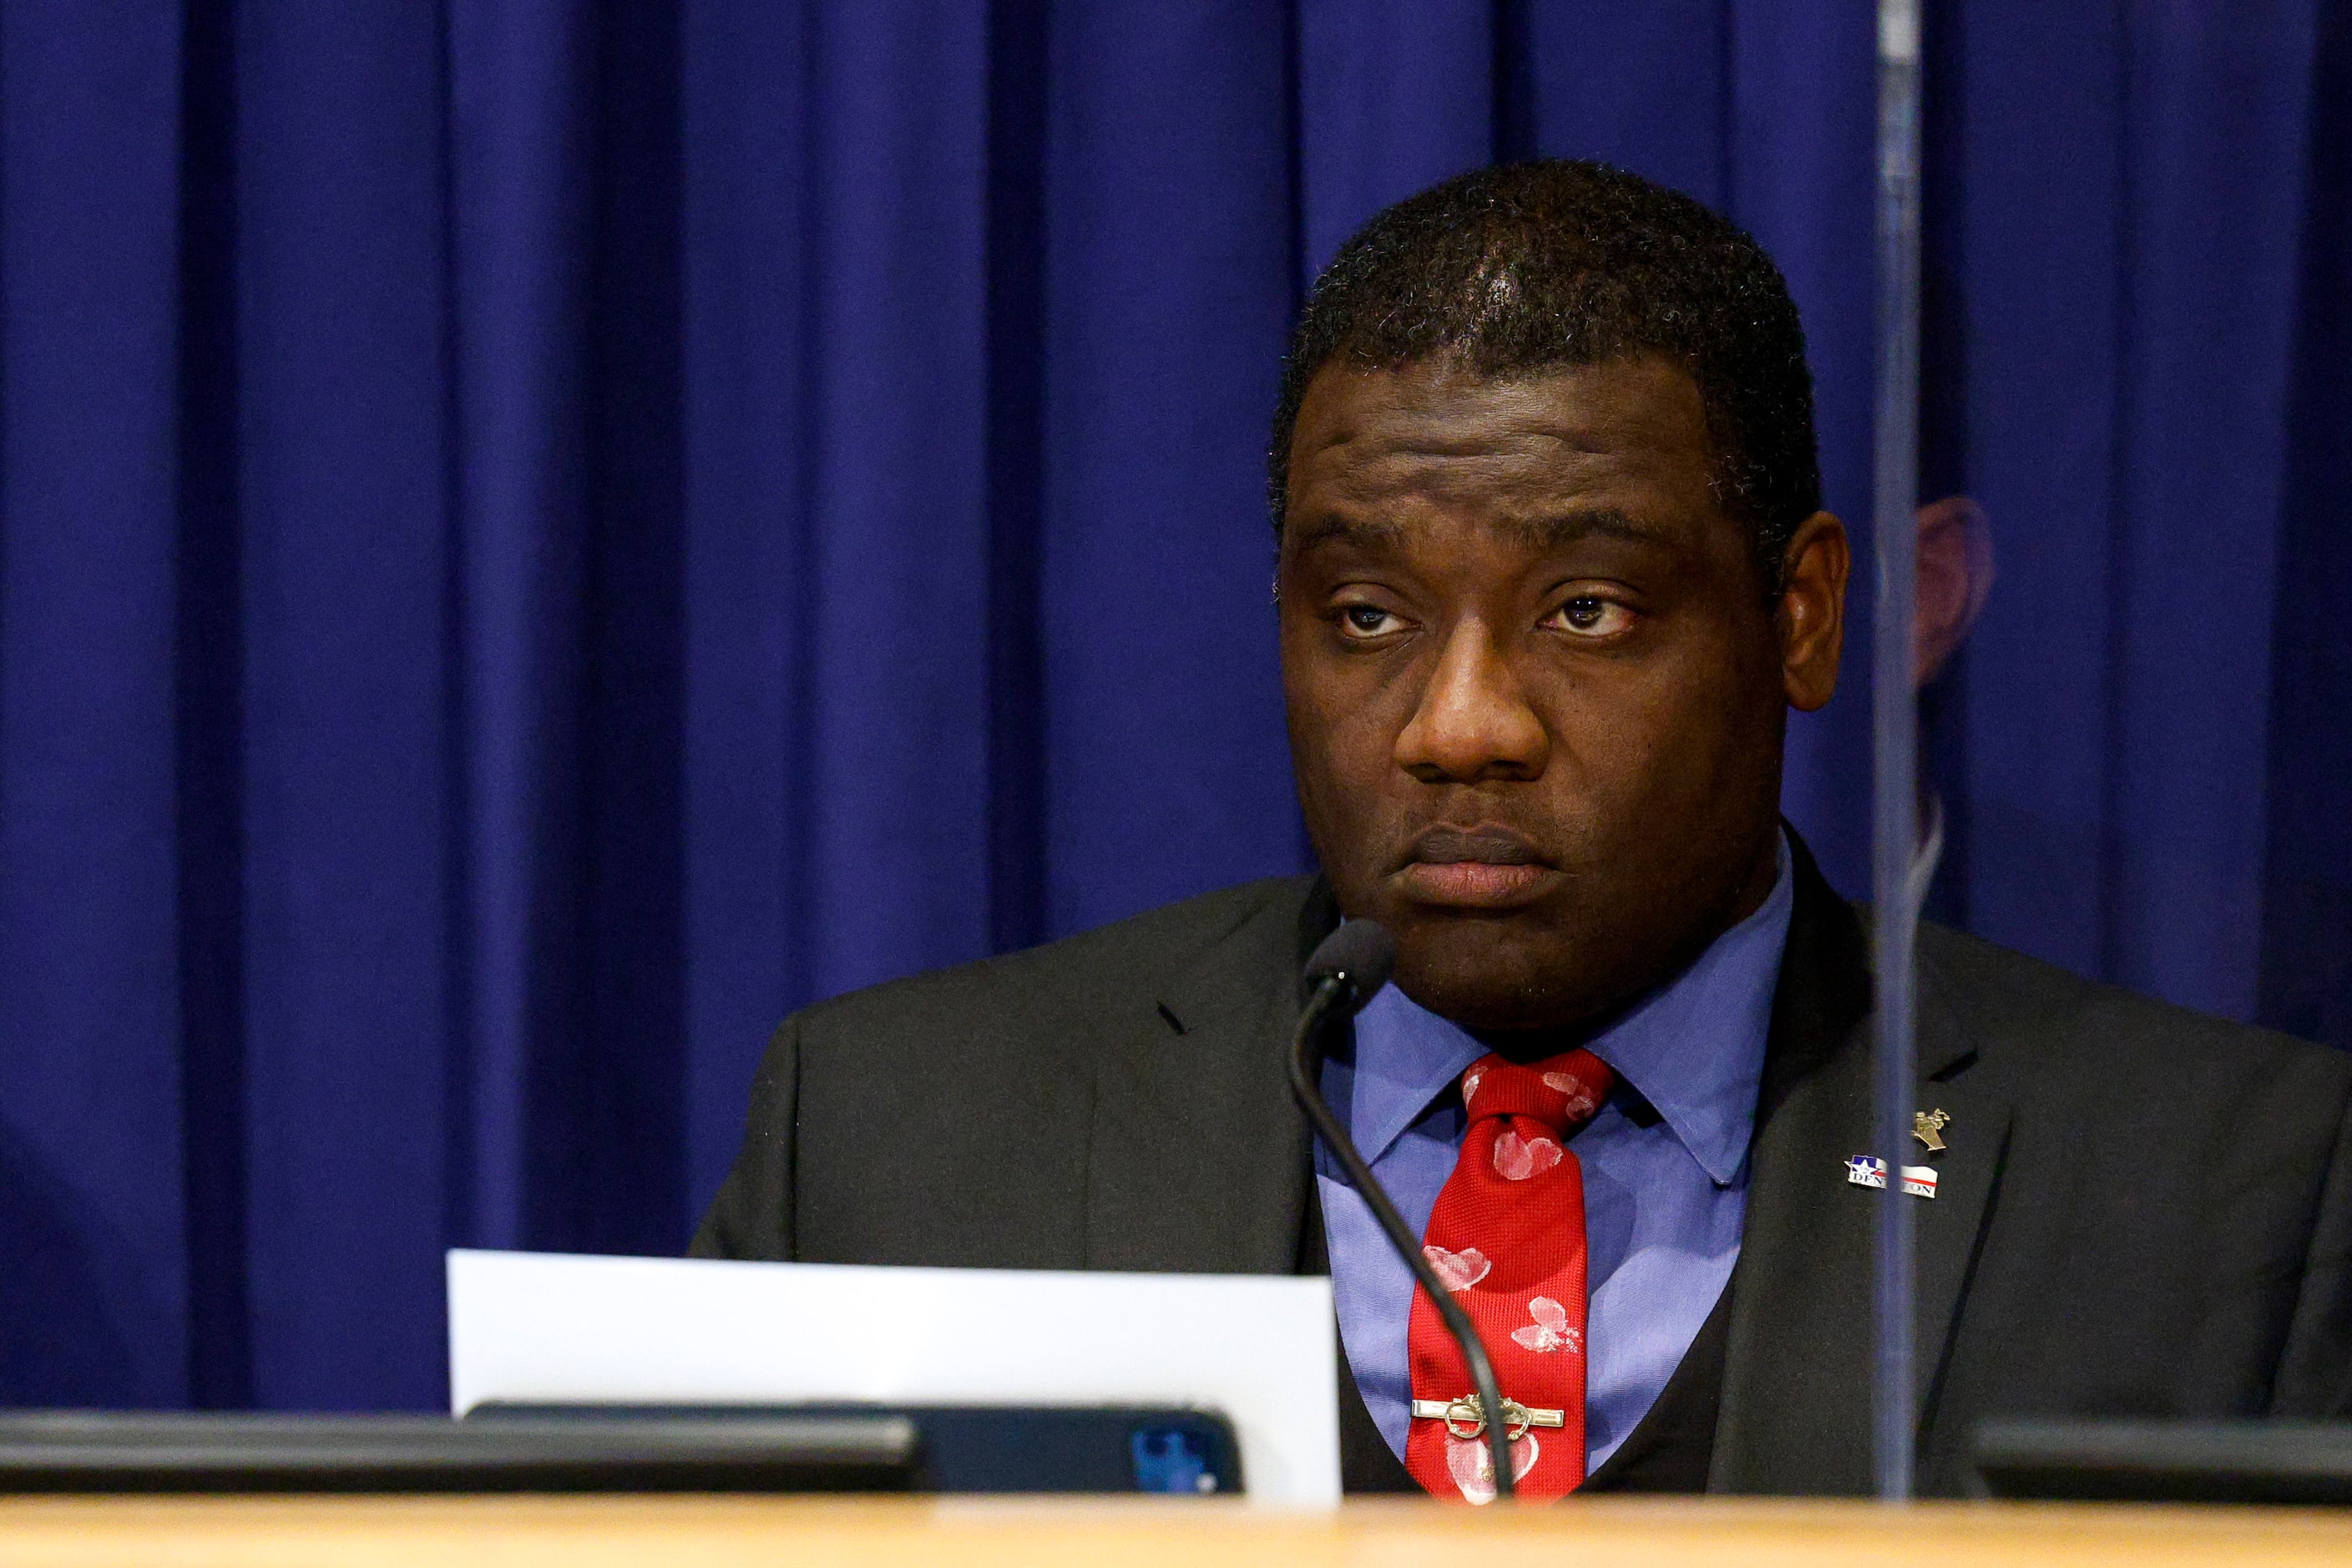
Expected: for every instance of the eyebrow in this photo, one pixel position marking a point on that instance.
(1364, 533)
(1548, 530)
(1553, 530)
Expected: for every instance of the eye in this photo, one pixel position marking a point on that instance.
(1364, 621)
(1590, 616)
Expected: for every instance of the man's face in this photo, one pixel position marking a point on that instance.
(1535, 688)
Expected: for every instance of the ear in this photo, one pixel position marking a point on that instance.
(1954, 575)
(1812, 614)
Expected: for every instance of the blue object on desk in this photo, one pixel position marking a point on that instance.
(1172, 1459)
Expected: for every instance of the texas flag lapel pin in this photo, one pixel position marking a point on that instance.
(1870, 1171)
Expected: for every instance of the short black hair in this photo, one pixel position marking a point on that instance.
(1545, 265)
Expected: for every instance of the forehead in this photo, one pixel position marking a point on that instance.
(1629, 434)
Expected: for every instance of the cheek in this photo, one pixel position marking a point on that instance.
(1332, 749)
(1661, 741)
(1342, 743)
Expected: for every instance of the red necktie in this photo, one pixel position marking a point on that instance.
(1508, 1236)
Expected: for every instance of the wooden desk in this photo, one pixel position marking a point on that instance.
(720, 1533)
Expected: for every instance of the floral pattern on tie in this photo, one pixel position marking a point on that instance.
(1505, 1238)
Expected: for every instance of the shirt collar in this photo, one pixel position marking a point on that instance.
(1693, 1048)
(1405, 1056)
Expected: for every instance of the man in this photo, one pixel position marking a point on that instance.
(1552, 569)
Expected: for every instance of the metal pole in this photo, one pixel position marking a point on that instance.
(1894, 721)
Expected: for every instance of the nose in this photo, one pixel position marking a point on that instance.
(1474, 722)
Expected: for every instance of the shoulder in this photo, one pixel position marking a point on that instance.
(2064, 1029)
(1114, 967)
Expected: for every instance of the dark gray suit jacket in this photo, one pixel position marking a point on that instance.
(2141, 1211)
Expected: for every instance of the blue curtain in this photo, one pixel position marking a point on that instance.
(538, 535)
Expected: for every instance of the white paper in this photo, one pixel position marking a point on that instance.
(553, 1329)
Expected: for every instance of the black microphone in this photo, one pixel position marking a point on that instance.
(1348, 970)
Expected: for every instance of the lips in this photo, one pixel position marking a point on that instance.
(1485, 866)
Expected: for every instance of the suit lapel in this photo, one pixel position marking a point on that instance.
(1796, 1384)
(1796, 1414)
(1967, 1172)
(1198, 1158)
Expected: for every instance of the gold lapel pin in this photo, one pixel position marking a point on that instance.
(1928, 1126)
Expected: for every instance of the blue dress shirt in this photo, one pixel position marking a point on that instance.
(1664, 1196)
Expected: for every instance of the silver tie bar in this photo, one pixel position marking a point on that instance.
(1466, 1418)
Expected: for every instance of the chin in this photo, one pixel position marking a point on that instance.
(1483, 977)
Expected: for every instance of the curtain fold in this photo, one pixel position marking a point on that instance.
(94, 1280)
(537, 536)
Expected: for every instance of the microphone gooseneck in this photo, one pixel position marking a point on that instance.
(1348, 969)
